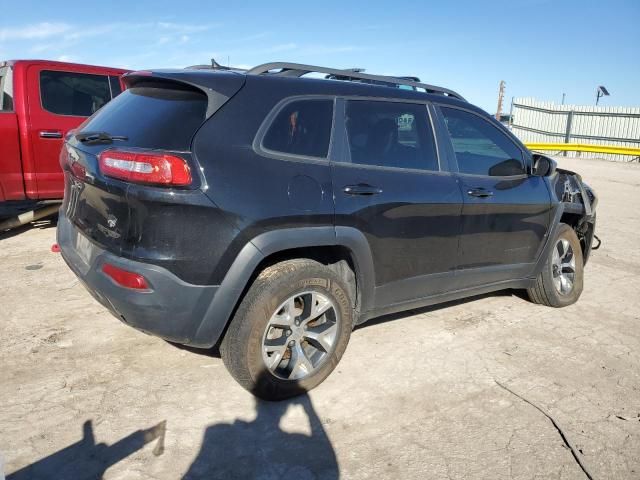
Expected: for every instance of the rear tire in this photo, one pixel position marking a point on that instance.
(560, 281)
(278, 345)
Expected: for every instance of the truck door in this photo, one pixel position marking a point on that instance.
(59, 100)
(11, 187)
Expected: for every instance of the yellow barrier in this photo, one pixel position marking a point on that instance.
(583, 147)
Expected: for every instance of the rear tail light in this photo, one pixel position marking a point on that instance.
(78, 170)
(69, 156)
(124, 278)
(145, 167)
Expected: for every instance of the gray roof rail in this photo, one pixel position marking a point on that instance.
(286, 69)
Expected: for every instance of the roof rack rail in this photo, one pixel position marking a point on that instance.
(287, 69)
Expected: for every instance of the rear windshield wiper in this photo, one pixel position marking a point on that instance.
(91, 138)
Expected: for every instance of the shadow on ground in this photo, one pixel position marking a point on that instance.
(88, 460)
(43, 224)
(257, 449)
(261, 449)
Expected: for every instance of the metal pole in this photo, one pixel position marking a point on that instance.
(511, 114)
(563, 95)
(567, 133)
(500, 97)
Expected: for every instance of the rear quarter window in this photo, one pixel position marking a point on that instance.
(152, 117)
(301, 128)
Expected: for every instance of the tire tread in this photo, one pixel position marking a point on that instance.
(235, 344)
(543, 292)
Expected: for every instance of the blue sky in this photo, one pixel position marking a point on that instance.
(541, 48)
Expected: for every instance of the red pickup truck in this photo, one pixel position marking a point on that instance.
(40, 101)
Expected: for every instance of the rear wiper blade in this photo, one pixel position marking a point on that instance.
(98, 137)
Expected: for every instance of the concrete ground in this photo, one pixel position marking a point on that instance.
(417, 395)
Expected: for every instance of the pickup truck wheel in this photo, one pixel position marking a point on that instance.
(290, 330)
(560, 282)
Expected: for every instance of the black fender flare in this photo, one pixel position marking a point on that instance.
(587, 215)
(219, 312)
(548, 244)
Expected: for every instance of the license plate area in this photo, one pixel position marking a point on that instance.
(83, 248)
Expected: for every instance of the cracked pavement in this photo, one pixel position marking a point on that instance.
(415, 395)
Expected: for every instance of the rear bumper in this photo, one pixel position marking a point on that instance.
(173, 309)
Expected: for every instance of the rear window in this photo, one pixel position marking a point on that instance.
(302, 127)
(152, 117)
(75, 94)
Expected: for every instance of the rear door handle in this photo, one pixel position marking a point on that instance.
(479, 192)
(361, 189)
(50, 134)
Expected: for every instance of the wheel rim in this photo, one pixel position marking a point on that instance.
(300, 335)
(563, 267)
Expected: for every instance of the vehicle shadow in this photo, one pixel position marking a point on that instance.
(262, 449)
(207, 352)
(86, 460)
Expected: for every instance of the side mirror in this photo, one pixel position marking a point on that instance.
(544, 166)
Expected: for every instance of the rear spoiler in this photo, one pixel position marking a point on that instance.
(218, 86)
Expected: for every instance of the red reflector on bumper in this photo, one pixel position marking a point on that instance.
(125, 278)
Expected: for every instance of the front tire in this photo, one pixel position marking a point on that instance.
(560, 282)
(290, 329)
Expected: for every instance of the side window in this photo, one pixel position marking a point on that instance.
(6, 89)
(482, 149)
(390, 134)
(302, 127)
(77, 94)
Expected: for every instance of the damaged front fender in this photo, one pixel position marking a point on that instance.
(578, 201)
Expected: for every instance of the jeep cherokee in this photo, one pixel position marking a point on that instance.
(269, 213)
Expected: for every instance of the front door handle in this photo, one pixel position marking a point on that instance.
(50, 134)
(479, 192)
(361, 189)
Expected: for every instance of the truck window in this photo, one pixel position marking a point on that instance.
(76, 94)
(6, 89)
(116, 88)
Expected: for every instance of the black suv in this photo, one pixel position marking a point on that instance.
(269, 213)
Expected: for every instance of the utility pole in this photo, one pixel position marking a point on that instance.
(500, 99)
